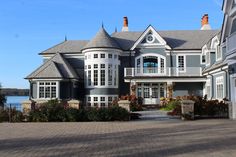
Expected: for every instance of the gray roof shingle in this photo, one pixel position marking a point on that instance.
(55, 67)
(102, 40)
(69, 46)
(177, 40)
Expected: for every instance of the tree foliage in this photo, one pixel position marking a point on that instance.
(2, 97)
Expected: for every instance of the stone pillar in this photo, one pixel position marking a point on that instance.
(187, 109)
(230, 109)
(132, 88)
(124, 104)
(74, 104)
(169, 89)
(27, 106)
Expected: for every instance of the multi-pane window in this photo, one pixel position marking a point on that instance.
(139, 90)
(162, 65)
(146, 92)
(115, 75)
(115, 56)
(219, 87)
(109, 74)
(47, 90)
(162, 90)
(154, 90)
(95, 77)
(102, 98)
(95, 99)
(103, 74)
(102, 55)
(95, 66)
(95, 56)
(89, 78)
(109, 101)
(181, 63)
(109, 55)
(138, 65)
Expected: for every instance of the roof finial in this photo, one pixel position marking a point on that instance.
(65, 38)
(115, 29)
(102, 25)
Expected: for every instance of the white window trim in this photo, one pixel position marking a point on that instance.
(221, 79)
(99, 99)
(214, 46)
(57, 89)
(150, 54)
(177, 63)
(114, 61)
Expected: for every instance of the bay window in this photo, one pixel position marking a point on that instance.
(47, 90)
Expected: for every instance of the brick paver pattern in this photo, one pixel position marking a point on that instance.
(172, 138)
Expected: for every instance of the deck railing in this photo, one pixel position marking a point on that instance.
(189, 71)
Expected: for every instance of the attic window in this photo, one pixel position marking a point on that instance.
(95, 56)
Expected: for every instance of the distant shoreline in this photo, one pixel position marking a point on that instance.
(15, 92)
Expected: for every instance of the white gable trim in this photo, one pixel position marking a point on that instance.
(214, 42)
(156, 35)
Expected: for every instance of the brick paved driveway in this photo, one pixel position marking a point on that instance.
(208, 138)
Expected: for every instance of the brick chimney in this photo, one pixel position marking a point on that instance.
(125, 27)
(205, 23)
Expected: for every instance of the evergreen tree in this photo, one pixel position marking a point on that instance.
(2, 98)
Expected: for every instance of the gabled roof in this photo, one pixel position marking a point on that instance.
(102, 40)
(56, 67)
(177, 40)
(69, 46)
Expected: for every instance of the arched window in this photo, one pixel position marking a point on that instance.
(150, 64)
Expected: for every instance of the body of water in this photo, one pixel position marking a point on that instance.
(15, 101)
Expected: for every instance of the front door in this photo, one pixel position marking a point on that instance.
(151, 92)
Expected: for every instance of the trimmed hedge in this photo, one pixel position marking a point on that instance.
(53, 111)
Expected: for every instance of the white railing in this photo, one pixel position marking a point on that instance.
(189, 71)
(231, 44)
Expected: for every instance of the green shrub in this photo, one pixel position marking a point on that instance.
(4, 117)
(171, 105)
(53, 111)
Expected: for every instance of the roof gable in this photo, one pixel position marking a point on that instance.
(56, 67)
(150, 30)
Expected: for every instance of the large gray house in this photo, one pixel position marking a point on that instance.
(150, 64)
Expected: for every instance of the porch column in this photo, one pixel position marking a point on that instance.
(169, 89)
(132, 88)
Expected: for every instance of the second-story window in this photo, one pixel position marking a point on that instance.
(95, 56)
(102, 55)
(181, 63)
(103, 75)
(207, 58)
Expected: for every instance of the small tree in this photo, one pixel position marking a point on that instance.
(2, 98)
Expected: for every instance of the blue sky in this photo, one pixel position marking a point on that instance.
(28, 27)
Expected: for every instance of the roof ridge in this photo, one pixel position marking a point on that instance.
(52, 47)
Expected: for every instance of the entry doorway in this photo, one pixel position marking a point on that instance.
(151, 92)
